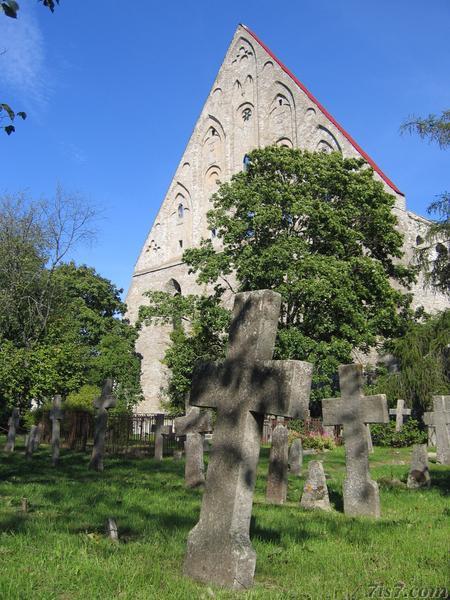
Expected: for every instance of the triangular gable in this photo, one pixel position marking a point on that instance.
(324, 111)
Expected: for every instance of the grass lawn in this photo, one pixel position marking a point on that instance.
(58, 549)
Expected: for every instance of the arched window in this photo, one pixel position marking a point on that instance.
(246, 162)
(180, 211)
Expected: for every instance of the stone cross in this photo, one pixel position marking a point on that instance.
(13, 424)
(193, 425)
(277, 479)
(399, 413)
(419, 475)
(243, 388)
(102, 404)
(159, 439)
(296, 457)
(440, 420)
(55, 416)
(354, 411)
(315, 493)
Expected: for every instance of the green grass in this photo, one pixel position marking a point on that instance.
(58, 549)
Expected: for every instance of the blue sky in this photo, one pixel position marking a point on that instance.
(113, 90)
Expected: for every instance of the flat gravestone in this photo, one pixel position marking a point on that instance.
(13, 424)
(56, 416)
(440, 420)
(193, 425)
(354, 411)
(106, 401)
(243, 388)
(419, 475)
(399, 413)
(296, 457)
(277, 479)
(159, 439)
(315, 491)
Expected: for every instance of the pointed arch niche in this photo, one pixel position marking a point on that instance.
(326, 142)
(281, 115)
(213, 144)
(179, 221)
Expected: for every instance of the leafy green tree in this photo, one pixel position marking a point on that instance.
(199, 331)
(319, 229)
(422, 357)
(433, 256)
(61, 325)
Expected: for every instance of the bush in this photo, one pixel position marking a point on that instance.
(83, 399)
(385, 434)
(318, 441)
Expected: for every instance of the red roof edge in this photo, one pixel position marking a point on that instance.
(371, 162)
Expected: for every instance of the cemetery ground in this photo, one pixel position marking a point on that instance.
(59, 550)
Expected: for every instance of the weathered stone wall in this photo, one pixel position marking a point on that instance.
(253, 102)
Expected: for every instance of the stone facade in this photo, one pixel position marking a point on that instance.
(254, 102)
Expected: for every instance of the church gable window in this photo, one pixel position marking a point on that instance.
(180, 211)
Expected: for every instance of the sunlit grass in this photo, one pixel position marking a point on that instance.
(58, 550)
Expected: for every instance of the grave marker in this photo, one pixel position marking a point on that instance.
(106, 401)
(277, 479)
(159, 432)
(315, 492)
(354, 411)
(55, 416)
(399, 413)
(296, 457)
(243, 388)
(419, 475)
(32, 440)
(440, 420)
(193, 425)
(13, 424)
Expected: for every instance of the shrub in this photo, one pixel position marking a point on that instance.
(318, 441)
(83, 399)
(385, 434)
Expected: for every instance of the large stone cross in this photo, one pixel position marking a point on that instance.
(243, 388)
(440, 420)
(399, 413)
(56, 416)
(354, 411)
(193, 425)
(102, 404)
(13, 424)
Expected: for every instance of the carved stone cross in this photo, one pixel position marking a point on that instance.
(243, 388)
(399, 413)
(440, 420)
(102, 404)
(13, 424)
(354, 411)
(193, 425)
(56, 415)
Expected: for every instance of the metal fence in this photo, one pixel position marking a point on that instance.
(135, 433)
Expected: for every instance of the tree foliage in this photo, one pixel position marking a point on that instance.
(422, 356)
(61, 325)
(433, 128)
(199, 325)
(318, 229)
(433, 256)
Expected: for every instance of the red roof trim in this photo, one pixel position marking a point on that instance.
(326, 113)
